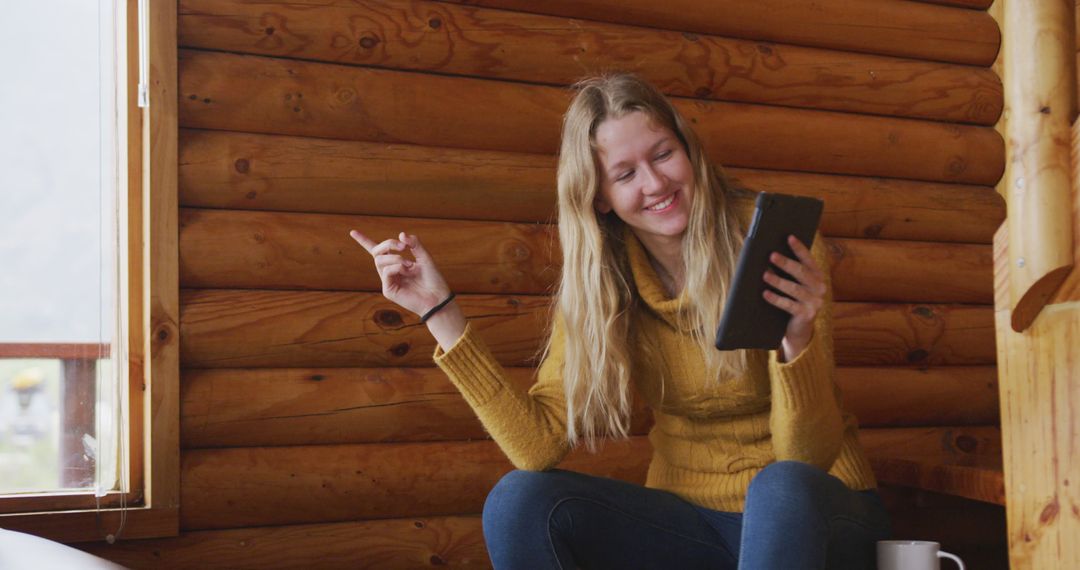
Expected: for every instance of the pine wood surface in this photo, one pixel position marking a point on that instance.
(1039, 62)
(905, 29)
(957, 461)
(449, 39)
(269, 250)
(240, 329)
(160, 275)
(310, 406)
(1038, 380)
(276, 96)
(299, 174)
(324, 483)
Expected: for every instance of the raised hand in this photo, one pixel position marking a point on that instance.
(414, 284)
(805, 296)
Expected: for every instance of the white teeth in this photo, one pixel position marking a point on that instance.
(663, 204)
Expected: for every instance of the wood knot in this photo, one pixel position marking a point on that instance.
(924, 312)
(270, 31)
(388, 318)
(956, 166)
(193, 97)
(435, 23)
(368, 42)
(317, 377)
(1050, 512)
(703, 92)
(259, 237)
(917, 355)
(163, 335)
(966, 443)
(690, 36)
(250, 195)
(873, 231)
(345, 95)
(400, 349)
(206, 100)
(764, 49)
(418, 524)
(242, 165)
(437, 560)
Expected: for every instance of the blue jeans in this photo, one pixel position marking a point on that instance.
(797, 516)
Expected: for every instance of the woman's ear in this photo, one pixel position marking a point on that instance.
(601, 204)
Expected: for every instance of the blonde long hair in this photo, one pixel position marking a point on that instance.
(596, 297)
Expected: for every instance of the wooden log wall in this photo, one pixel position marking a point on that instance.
(315, 431)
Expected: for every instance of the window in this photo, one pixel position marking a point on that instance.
(60, 397)
(88, 350)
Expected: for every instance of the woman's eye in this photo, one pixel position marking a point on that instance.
(663, 155)
(625, 176)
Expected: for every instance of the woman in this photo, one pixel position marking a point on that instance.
(754, 464)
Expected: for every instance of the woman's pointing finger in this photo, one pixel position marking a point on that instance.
(362, 240)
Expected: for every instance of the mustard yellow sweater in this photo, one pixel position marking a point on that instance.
(710, 437)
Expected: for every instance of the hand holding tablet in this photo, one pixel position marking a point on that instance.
(768, 290)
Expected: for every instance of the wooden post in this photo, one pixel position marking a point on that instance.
(1038, 49)
(1039, 375)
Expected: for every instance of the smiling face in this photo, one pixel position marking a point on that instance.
(646, 178)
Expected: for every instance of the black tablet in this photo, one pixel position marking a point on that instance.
(749, 321)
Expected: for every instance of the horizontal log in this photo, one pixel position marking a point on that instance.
(959, 461)
(420, 35)
(276, 96)
(236, 487)
(906, 271)
(981, 480)
(265, 172)
(869, 334)
(973, 444)
(906, 397)
(263, 250)
(905, 29)
(456, 542)
(269, 250)
(289, 406)
(238, 328)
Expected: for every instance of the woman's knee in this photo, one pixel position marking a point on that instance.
(518, 497)
(789, 482)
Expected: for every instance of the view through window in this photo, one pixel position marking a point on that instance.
(60, 399)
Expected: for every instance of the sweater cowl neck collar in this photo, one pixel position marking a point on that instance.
(649, 286)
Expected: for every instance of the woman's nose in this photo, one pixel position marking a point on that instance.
(653, 181)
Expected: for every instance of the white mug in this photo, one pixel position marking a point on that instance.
(912, 555)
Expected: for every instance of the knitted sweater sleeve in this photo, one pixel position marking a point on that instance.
(529, 426)
(806, 421)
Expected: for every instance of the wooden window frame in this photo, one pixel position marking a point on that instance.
(151, 275)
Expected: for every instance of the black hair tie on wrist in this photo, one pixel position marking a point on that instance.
(436, 308)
